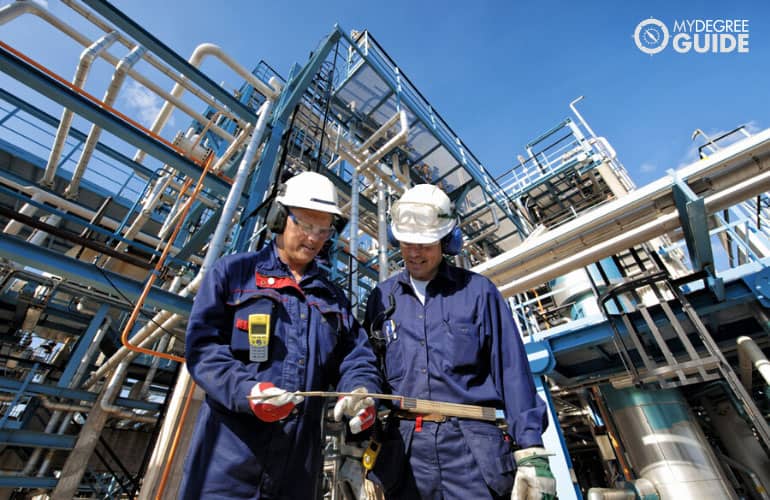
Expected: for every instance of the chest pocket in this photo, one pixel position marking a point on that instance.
(466, 342)
(262, 301)
(331, 325)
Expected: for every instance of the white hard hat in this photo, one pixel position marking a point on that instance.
(310, 190)
(422, 215)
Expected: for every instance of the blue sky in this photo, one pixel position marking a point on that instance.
(500, 73)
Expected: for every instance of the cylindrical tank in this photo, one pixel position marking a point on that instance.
(665, 445)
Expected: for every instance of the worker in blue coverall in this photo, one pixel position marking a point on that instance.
(448, 335)
(263, 325)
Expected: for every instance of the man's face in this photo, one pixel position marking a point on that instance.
(305, 233)
(421, 261)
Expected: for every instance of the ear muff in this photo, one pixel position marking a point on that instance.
(276, 218)
(452, 243)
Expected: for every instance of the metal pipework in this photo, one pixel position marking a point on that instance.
(15, 9)
(81, 74)
(665, 445)
(196, 59)
(736, 173)
(230, 207)
(750, 355)
(71, 192)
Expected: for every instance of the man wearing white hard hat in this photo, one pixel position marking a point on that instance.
(446, 334)
(265, 325)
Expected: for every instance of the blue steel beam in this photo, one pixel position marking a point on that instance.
(60, 93)
(589, 332)
(32, 439)
(82, 346)
(444, 134)
(135, 31)
(299, 80)
(14, 386)
(88, 274)
(45, 483)
(74, 133)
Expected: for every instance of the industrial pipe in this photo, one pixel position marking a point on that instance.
(119, 76)
(87, 58)
(750, 355)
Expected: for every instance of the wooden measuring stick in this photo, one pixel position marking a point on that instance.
(413, 405)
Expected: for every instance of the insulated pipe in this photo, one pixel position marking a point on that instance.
(217, 242)
(353, 225)
(396, 140)
(610, 494)
(145, 335)
(14, 226)
(633, 219)
(149, 204)
(750, 355)
(196, 59)
(580, 117)
(159, 65)
(571, 260)
(111, 392)
(119, 76)
(81, 74)
(14, 9)
(382, 229)
(42, 196)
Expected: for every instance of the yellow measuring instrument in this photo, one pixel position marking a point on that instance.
(259, 336)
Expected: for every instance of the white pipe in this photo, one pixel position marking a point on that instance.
(87, 58)
(730, 167)
(111, 393)
(570, 259)
(160, 66)
(13, 226)
(196, 59)
(144, 336)
(118, 77)
(42, 196)
(394, 141)
(149, 203)
(15, 9)
(750, 355)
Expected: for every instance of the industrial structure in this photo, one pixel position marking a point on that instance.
(644, 310)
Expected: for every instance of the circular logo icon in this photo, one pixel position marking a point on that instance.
(651, 36)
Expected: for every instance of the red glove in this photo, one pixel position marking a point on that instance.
(270, 403)
(360, 408)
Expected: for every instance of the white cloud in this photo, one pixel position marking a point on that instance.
(648, 168)
(145, 103)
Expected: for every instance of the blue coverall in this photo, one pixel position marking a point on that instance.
(315, 343)
(462, 346)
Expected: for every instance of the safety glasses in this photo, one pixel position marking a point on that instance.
(409, 215)
(311, 229)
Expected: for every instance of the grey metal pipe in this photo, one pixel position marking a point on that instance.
(382, 230)
(230, 207)
(610, 494)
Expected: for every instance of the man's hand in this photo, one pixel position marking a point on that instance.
(360, 408)
(270, 403)
(534, 480)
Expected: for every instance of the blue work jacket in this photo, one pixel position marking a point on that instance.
(462, 346)
(315, 344)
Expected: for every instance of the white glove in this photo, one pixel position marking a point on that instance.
(360, 408)
(271, 403)
(534, 480)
